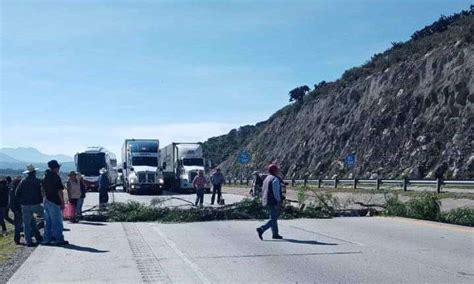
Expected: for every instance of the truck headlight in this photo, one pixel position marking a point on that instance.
(133, 180)
(161, 181)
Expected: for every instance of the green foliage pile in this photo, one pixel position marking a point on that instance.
(428, 207)
(134, 211)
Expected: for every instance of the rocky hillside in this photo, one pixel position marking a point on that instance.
(407, 112)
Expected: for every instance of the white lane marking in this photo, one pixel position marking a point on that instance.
(194, 267)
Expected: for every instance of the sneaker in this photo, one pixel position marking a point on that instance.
(260, 233)
(277, 237)
(59, 243)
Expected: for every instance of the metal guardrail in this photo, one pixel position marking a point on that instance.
(404, 183)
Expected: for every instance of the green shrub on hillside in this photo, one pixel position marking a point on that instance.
(459, 216)
(394, 207)
(426, 207)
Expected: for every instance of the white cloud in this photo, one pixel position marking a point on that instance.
(69, 139)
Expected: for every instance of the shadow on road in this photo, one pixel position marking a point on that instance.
(92, 223)
(86, 249)
(304, 242)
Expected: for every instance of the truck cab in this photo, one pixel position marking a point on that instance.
(140, 159)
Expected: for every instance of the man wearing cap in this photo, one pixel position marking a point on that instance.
(53, 204)
(29, 196)
(271, 198)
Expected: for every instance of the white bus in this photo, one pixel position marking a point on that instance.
(90, 161)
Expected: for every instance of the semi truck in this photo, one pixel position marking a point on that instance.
(140, 168)
(90, 161)
(180, 163)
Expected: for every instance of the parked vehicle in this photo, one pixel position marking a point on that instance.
(140, 168)
(180, 163)
(90, 161)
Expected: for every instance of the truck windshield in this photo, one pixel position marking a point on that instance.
(89, 164)
(143, 146)
(145, 161)
(193, 162)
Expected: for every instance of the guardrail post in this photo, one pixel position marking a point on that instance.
(439, 183)
(335, 182)
(241, 181)
(405, 183)
(247, 182)
(305, 181)
(377, 184)
(319, 183)
(354, 183)
(293, 182)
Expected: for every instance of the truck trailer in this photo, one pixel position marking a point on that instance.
(140, 169)
(180, 163)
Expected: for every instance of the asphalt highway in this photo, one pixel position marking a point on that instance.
(339, 250)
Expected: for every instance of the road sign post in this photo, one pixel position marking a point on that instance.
(244, 159)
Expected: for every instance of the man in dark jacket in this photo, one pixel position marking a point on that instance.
(15, 206)
(104, 187)
(6, 210)
(217, 180)
(271, 198)
(53, 204)
(3, 204)
(30, 199)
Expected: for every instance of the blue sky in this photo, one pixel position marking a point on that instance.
(79, 73)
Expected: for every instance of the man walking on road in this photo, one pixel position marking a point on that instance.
(30, 198)
(217, 180)
(271, 198)
(199, 182)
(53, 204)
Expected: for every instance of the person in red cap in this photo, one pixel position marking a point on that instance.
(271, 198)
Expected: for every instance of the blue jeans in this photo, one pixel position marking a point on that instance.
(199, 196)
(2, 219)
(79, 204)
(53, 222)
(29, 222)
(274, 212)
(18, 220)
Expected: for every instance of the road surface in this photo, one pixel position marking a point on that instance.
(340, 250)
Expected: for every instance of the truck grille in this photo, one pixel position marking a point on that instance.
(146, 177)
(192, 175)
(141, 177)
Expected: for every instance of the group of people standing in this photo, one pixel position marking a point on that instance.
(200, 182)
(31, 198)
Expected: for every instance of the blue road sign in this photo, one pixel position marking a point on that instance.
(244, 158)
(350, 160)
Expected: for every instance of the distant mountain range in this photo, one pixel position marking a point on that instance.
(17, 158)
